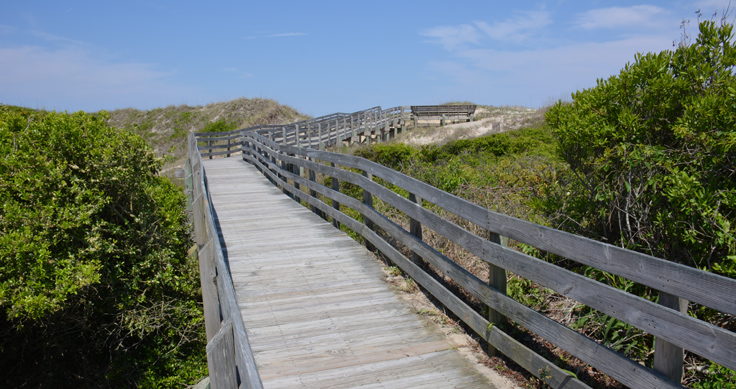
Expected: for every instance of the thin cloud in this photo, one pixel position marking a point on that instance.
(567, 68)
(277, 35)
(5, 29)
(616, 17)
(237, 72)
(719, 4)
(57, 39)
(517, 29)
(77, 78)
(453, 37)
(286, 34)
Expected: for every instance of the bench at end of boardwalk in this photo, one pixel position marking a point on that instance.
(443, 112)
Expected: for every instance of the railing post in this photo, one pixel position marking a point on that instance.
(335, 203)
(320, 144)
(313, 193)
(354, 135)
(368, 200)
(209, 146)
(496, 280)
(207, 279)
(668, 357)
(308, 132)
(221, 358)
(285, 167)
(415, 228)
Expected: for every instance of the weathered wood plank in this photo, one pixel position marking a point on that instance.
(342, 307)
(668, 357)
(221, 358)
(607, 360)
(522, 355)
(210, 300)
(693, 284)
(702, 338)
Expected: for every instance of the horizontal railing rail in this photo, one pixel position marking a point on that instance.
(282, 164)
(319, 132)
(292, 157)
(229, 356)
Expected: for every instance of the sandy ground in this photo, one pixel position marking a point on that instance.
(493, 120)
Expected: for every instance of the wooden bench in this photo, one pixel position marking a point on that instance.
(443, 112)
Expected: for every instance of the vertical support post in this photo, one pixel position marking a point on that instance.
(354, 130)
(283, 135)
(496, 280)
(415, 229)
(313, 193)
(285, 167)
(320, 144)
(207, 279)
(296, 170)
(335, 203)
(296, 135)
(308, 132)
(668, 357)
(209, 145)
(221, 358)
(228, 146)
(368, 200)
(337, 131)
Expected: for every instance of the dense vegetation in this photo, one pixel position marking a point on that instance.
(654, 152)
(644, 160)
(96, 288)
(165, 129)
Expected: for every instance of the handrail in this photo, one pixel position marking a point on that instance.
(281, 155)
(229, 356)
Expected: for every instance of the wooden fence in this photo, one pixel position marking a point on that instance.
(229, 356)
(287, 160)
(369, 125)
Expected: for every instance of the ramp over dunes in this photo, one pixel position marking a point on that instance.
(316, 308)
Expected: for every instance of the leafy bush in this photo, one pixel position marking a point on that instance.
(219, 126)
(96, 288)
(654, 149)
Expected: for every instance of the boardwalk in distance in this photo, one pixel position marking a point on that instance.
(317, 311)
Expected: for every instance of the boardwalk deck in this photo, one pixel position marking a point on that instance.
(317, 311)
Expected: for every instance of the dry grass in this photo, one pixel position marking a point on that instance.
(166, 129)
(488, 120)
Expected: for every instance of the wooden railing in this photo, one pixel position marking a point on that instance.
(303, 172)
(229, 356)
(319, 132)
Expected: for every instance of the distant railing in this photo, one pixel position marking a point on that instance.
(284, 156)
(319, 132)
(229, 356)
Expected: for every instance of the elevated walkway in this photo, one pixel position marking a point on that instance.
(317, 311)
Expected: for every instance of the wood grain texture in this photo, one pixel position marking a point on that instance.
(612, 363)
(318, 309)
(692, 284)
(525, 357)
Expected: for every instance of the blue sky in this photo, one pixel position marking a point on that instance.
(323, 56)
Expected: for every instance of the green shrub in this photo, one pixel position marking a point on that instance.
(219, 126)
(96, 288)
(654, 149)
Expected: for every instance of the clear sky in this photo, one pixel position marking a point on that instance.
(323, 56)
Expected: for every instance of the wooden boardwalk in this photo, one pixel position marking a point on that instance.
(316, 308)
